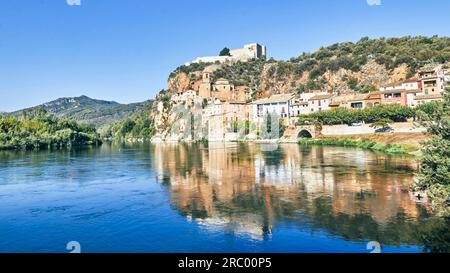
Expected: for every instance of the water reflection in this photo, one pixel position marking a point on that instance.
(354, 194)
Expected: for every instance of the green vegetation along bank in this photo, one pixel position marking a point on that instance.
(38, 130)
(137, 127)
(363, 143)
(384, 112)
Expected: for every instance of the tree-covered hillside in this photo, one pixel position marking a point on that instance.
(37, 129)
(85, 110)
(137, 127)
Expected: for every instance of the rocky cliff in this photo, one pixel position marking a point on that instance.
(343, 68)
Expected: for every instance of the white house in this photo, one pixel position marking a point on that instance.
(279, 104)
(319, 103)
(299, 108)
(411, 84)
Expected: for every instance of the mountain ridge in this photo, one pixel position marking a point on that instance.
(100, 113)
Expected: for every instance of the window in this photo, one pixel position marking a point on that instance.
(259, 110)
(357, 105)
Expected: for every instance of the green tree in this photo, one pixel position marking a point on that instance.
(434, 171)
(225, 52)
(381, 123)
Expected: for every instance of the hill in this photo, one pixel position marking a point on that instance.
(360, 66)
(86, 110)
(341, 68)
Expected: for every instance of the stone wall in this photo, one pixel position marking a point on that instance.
(342, 130)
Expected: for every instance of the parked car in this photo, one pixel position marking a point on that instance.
(356, 124)
(384, 130)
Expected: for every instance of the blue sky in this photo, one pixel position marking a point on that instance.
(124, 50)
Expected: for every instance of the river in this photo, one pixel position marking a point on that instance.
(235, 197)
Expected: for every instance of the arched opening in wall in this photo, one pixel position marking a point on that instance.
(304, 134)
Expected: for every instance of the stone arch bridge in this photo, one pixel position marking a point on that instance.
(293, 133)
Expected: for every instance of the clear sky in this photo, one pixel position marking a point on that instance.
(124, 50)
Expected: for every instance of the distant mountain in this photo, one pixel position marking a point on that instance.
(87, 110)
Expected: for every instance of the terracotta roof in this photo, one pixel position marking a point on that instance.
(427, 71)
(359, 97)
(411, 80)
(373, 95)
(429, 78)
(275, 99)
(222, 80)
(428, 97)
(321, 97)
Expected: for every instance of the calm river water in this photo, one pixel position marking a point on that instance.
(212, 198)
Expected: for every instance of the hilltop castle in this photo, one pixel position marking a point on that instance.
(248, 52)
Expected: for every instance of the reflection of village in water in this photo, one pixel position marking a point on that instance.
(240, 189)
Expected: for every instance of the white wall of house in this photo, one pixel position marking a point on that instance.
(299, 109)
(280, 108)
(410, 85)
(305, 97)
(319, 105)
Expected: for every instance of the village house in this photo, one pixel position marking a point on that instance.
(307, 95)
(418, 100)
(403, 97)
(372, 99)
(299, 104)
(334, 105)
(320, 103)
(299, 108)
(188, 97)
(226, 120)
(357, 102)
(223, 90)
(276, 104)
(410, 84)
(432, 81)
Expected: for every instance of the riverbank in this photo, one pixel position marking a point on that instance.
(391, 143)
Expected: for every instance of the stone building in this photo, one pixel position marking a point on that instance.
(226, 120)
(205, 88)
(432, 81)
(221, 89)
(248, 52)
